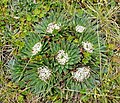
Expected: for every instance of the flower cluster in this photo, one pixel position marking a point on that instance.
(79, 28)
(51, 27)
(88, 46)
(36, 48)
(44, 73)
(81, 74)
(62, 57)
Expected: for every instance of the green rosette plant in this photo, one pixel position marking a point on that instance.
(86, 32)
(69, 57)
(33, 45)
(37, 77)
(82, 78)
(65, 54)
(52, 24)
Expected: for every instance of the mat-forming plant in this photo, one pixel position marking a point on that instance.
(63, 53)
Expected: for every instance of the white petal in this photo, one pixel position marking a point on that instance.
(44, 73)
(51, 27)
(81, 74)
(88, 46)
(62, 57)
(80, 29)
(36, 48)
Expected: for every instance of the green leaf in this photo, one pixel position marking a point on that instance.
(29, 18)
(20, 99)
(36, 11)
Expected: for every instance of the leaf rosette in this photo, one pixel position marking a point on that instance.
(65, 55)
(51, 25)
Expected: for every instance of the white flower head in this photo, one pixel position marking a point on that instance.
(36, 48)
(44, 73)
(81, 74)
(51, 27)
(62, 57)
(79, 28)
(88, 46)
(56, 26)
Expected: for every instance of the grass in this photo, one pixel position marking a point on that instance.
(18, 17)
